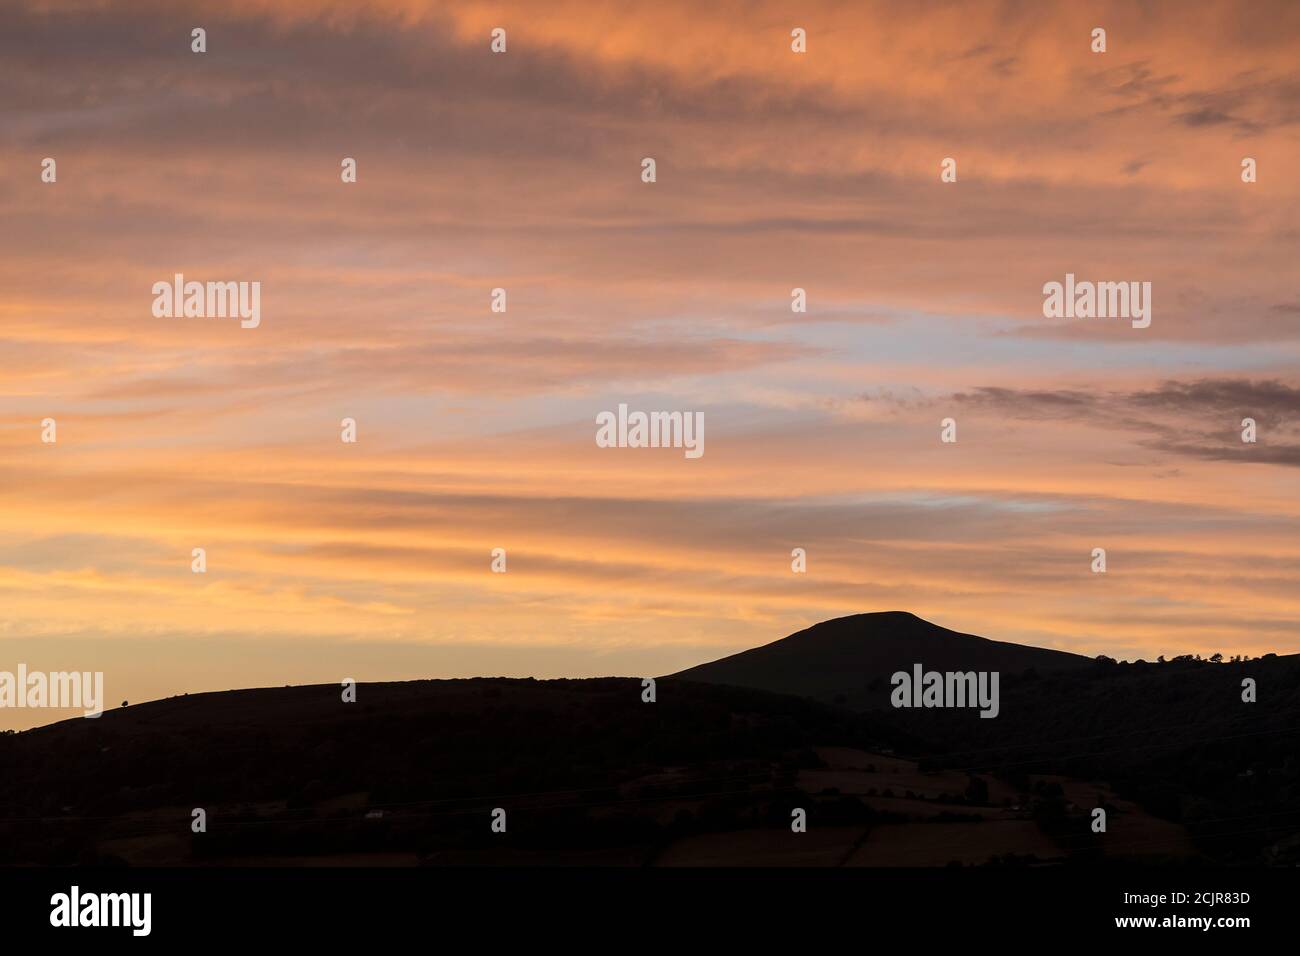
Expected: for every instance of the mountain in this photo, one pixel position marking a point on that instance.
(706, 773)
(1183, 739)
(849, 660)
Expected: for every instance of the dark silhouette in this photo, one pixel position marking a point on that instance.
(710, 773)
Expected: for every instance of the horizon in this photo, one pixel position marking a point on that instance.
(479, 430)
(107, 706)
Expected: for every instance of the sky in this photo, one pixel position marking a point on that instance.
(476, 429)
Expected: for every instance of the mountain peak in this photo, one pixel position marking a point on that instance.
(873, 617)
(852, 658)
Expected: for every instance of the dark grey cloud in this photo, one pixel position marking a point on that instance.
(1251, 103)
(1205, 116)
(1272, 399)
(1200, 419)
(97, 76)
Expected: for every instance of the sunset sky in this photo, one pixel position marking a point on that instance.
(476, 429)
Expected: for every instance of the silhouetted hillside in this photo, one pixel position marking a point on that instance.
(411, 772)
(849, 660)
(706, 774)
(1174, 737)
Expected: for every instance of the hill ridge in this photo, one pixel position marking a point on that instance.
(851, 658)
